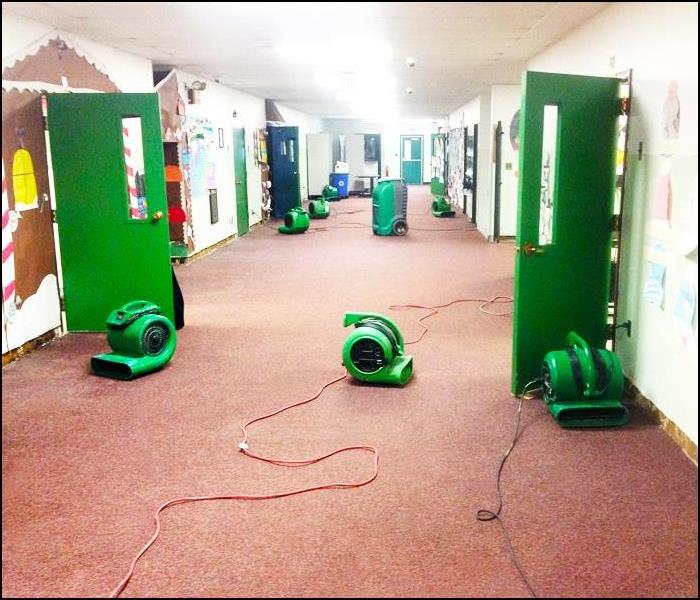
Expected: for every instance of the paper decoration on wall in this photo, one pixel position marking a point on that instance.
(671, 113)
(38, 314)
(8, 257)
(684, 309)
(654, 286)
(688, 236)
(515, 131)
(173, 174)
(663, 198)
(24, 181)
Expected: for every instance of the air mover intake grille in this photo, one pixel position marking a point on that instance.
(154, 339)
(367, 355)
(288, 220)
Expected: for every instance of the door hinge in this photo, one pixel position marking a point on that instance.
(53, 215)
(623, 107)
(617, 222)
(62, 303)
(612, 329)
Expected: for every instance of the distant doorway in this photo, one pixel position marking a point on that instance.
(412, 159)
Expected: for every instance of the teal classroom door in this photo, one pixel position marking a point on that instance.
(111, 208)
(241, 175)
(412, 159)
(565, 215)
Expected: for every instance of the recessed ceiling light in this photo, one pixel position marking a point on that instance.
(409, 90)
(410, 61)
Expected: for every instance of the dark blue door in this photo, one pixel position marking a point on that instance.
(284, 166)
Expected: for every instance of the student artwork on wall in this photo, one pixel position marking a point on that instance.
(514, 131)
(687, 240)
(31, 304)
(663, 198)
(657, 257)
(24, 181)
(58, 62)
(654, 286)
(671, 118)
(685, 307)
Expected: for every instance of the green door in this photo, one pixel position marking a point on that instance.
(241, 176)
(565, 215)
(412, 159)
(111, 209)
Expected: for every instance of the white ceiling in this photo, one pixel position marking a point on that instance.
(461, 48)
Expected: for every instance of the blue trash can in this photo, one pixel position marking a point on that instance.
(341, 182)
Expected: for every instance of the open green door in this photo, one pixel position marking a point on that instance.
(111, 209)
(565, 215)
(241, 175)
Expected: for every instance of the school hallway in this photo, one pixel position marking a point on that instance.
(87, 460)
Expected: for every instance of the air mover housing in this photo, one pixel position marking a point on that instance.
(442, 208)
(389, 204)
(319, 209)
(142, 340)
(374, 351)
(583, 386)
(330, 193)
(295, 221)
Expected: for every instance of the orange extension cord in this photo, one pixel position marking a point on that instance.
(243, 446)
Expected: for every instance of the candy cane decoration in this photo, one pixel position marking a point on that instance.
(8, 259)
(131, 177)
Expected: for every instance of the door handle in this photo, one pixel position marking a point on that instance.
(528, 249)
(158, 215)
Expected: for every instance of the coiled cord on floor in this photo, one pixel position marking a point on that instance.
(435, 309)
(243, 447)
(486, 515)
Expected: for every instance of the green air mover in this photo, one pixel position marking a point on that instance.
(330, 193)
(583, 386)
(319, 209)
(142, 340)
(295, 221)
(373, 352)
(442, 208)
(389, 202)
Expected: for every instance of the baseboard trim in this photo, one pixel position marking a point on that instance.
(26, 348)
(204, 252)
(690, 448)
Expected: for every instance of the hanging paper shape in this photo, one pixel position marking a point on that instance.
(173, 174)
(24, 181)
(176, 214)
(8, 256)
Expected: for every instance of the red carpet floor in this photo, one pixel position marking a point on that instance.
(87, 460)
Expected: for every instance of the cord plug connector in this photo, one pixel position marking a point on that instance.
(243, 446)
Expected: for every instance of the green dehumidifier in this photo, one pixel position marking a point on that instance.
(374, 351)
(389, 204)
(583, 385)
(142, 340)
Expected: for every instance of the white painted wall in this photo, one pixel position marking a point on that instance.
(659, 41)
(129, 72)
(218, 103)
(319, 163)
(391, 132)
(478, 111)
(505, 101)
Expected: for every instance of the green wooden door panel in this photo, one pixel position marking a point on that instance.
(412, 161)
(564, 285)
(108, 258)
(241, 176)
